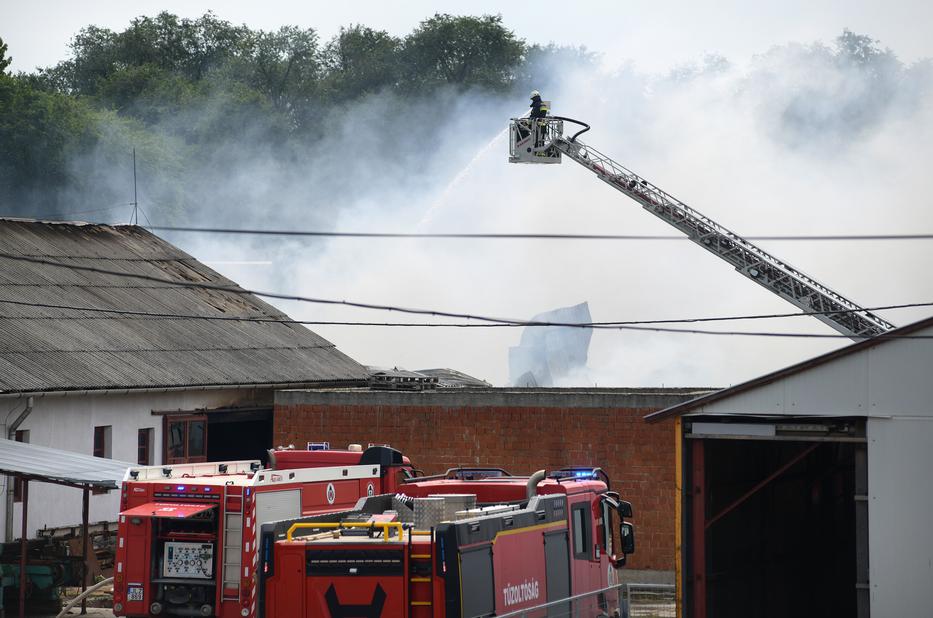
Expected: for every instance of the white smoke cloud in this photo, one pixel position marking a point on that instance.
(790, 142)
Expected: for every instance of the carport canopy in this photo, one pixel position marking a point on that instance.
(41, 463)
(31, 462)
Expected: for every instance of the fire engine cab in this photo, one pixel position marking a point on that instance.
(470, 543)
(186, 533)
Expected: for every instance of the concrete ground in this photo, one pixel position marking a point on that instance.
(646, 602)
(639, 610)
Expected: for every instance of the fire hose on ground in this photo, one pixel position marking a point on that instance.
(83, 596)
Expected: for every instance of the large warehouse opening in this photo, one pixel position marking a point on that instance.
(772, 525)
(239, 434)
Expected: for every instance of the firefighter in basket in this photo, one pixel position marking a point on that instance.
(539, 110)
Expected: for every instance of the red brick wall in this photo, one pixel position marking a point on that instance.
(638, 457)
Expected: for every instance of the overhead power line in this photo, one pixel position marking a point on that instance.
(515, 323)
(588, 325)
(518, 236)
(490, 321)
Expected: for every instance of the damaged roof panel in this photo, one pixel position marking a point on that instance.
(63, 328)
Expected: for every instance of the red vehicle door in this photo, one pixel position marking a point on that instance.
(285, 593)
(584, 563)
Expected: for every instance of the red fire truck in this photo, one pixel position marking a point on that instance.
(186, 533)
(470, 544)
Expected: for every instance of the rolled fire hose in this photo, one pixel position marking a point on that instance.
(83, 595)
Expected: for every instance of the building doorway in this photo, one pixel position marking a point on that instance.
(240, 434)
(775, 527)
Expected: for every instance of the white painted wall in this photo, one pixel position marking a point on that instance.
(893, 378)
(900, 546)
(68, 423)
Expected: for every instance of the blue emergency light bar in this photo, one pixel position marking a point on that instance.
(574, 473)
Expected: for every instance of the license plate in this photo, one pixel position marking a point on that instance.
(134, 593)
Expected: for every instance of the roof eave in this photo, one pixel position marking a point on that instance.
(688, 406)
(72, 392)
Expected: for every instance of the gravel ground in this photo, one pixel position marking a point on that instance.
(101, 602)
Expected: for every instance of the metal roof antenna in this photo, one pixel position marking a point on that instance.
(135, 201)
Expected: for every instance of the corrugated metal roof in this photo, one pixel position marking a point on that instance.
(58, 465)
(451, 378)
(53, 349)
(429, 378)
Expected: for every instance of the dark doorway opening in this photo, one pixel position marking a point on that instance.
(239, 434)
(774, 531)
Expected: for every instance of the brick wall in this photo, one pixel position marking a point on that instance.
(638, 457)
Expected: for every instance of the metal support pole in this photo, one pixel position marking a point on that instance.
(22, 551)
(11, 435)
(678, 518)
(698, 529)
(862, 582)
(85, 507)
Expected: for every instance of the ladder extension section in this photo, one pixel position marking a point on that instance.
(232, 546)
(753, 262)
(420, 577)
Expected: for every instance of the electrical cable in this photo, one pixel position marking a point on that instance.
(146, 217)
(408, 310)
(521, 236)
(594, 326)
(516, 323)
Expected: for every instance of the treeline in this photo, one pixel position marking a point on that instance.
(176, 87)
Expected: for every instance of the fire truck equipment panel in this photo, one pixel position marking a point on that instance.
(188, 560)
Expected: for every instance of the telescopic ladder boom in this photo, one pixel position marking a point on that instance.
(542, 141)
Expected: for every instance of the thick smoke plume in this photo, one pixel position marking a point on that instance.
(804, 138)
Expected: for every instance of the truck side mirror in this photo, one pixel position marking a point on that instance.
(625, 508)
(627, 536)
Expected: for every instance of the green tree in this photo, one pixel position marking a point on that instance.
(40, 133)
(543, 65)
(185, 47)
(4, 59)
(359, 61)
(862, 53)
(147, 92)
(190, 48)
(284, 67)
(461, 51)
(859, 49)
(94, 59)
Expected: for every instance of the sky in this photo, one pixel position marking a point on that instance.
(653, 35)
(762, 147)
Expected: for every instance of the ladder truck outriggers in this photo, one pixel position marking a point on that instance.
(472, 542)
(186, 536)
(541, 140)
